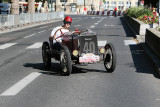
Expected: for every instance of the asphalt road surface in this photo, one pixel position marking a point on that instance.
(25, 83)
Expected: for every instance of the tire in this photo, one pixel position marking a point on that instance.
(45, 55)
(110, 58)
(65, 61)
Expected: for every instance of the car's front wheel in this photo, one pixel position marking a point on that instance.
(65, 61)
(110, 58)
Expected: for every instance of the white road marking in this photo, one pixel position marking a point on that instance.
(7, 45)
(35, 46)
(43, 26)
(102, 43)
(99, 21)
(96, 23)
(108, 25)
(21, 84)
(76, 25)
(30, 35)
(51, 29)
(92, 17)
(130, 42)
(92, 26)
(42, 31)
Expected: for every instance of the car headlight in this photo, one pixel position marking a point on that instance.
(102, 50)
(75, 52)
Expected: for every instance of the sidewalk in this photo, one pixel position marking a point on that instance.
(150, 55)
(27, 26)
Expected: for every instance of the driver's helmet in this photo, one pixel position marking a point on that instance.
(67, 19)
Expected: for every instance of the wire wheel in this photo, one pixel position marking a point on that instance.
(65, 61)
(110, 58)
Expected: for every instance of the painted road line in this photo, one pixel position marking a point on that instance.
(43, 26)
(35, 46)
(30, 35)
(21, 84)
(102, 43)
(96, 23)
(50, 28)
(42, 31)
(77, 25)
(108, 25)
(130, 42)
(92, 26)
(7, 45)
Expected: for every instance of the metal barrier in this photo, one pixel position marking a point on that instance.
(22, 19)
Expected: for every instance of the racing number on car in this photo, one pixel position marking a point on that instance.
(89, 47)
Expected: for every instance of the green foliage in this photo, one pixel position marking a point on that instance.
(138, 11)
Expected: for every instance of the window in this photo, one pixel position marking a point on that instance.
(111, 2)
(127, 3)
(63, 0)
(114, 2)
(119, 2)
(107, 2)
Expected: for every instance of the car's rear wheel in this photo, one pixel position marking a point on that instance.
(46, 55)
(65, 61)
(110, 58)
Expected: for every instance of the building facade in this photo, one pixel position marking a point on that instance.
(81, 6)
(120, 4)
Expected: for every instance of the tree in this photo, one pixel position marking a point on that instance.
(14, 6)
(31, 6)
(153, 2)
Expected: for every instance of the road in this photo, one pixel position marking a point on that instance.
(25, 83)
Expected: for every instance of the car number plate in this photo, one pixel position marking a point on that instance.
(89, 58)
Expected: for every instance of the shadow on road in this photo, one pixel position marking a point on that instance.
(126, 28)
(55, 69)
(141, 62)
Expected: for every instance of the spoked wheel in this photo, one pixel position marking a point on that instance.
(110, 58)
(45, 55)
(65, 61)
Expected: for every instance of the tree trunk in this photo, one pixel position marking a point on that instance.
(31, 6)
(14, 6)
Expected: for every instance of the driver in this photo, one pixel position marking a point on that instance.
(58, 31)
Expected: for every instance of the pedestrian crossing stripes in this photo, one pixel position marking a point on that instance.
(39, 44)
(7, 45)
(35, 46)
(130, 42)
(102, 43)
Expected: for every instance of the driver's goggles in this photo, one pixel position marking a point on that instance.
(68, 23)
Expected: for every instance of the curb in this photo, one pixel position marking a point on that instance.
(150, 55)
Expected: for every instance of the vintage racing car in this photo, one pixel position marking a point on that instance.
(79, 49)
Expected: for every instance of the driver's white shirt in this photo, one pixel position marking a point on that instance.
(58, 33)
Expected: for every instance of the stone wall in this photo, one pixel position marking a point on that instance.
(138, 25)
(152, 39)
